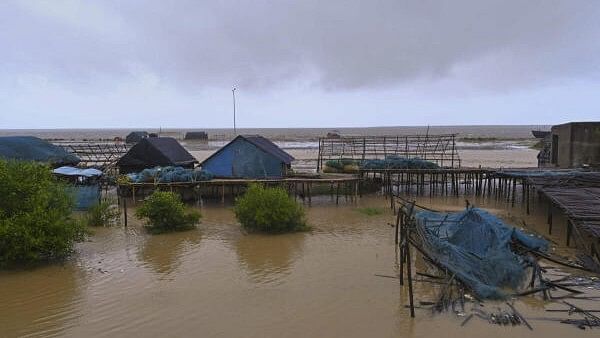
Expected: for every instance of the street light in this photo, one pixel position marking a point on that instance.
(234, 128)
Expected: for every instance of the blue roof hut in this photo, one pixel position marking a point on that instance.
(29, 148)
(249, 156)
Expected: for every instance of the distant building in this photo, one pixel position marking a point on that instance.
(573, 145)
(249, 156)
(151, 152)
(196, 135)
(29, 148)
(136, 136)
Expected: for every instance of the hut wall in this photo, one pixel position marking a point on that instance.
(243, 159)
(576, 144)
(586, 144)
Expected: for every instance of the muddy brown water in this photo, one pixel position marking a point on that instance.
(217, 281)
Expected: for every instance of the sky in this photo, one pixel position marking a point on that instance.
(309, 63)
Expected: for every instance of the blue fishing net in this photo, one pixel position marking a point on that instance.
(476, 246)
(170, 175)
(397, 162)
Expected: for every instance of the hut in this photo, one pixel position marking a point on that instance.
(196, 135)
(153, 152)
(136, 136)
(29, 148)
(249, 156)
(575, 144)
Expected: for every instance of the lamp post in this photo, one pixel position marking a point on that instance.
(234, 128)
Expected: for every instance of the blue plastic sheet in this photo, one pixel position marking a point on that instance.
(476, 245)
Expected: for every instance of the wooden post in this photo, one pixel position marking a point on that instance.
(409, 275)
(569, 230)
(223, 193)
(125, 211)
(550, 218)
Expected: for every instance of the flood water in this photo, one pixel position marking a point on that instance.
(217, 281)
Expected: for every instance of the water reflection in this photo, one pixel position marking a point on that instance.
(269, 258)
(40, 301)
(163, 253)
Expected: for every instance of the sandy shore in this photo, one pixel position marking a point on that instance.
(306, 159)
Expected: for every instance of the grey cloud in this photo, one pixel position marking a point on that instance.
(335, 44)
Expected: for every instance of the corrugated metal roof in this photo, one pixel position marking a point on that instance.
(269, 147)
(157, 151)
(261, 143)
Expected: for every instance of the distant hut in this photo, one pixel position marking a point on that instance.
(29, 148)
(575, 144)
(196, 135)
(136, 136)
(151, 152)
(249, 156)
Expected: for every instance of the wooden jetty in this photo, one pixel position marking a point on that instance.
(575, 193)
(347, 186)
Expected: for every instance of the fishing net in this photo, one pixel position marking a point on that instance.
(476, 246)
(170, 175)
(397, 162)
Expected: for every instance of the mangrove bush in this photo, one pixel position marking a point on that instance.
(104, 213)
(269, 210)
(36, 221)
(165, 212)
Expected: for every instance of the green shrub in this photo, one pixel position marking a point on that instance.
(269, 210)
(105, 213)
(36, 221)
(370, 211)
(165, 212)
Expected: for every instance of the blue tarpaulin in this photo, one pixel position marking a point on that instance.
(476, 246)
(72, 171)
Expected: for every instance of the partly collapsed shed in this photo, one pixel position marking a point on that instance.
(136, 136)
(196, 135)
(155, 151)
(249, 156)
(29, 148)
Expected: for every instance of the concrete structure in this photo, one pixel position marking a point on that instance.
(575, 144)
(250, 156)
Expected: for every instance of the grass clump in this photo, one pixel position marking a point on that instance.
(370, 211)
(105, 213)
(36, 222)
(269, 210)
(165, 212)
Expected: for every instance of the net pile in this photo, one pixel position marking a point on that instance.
(170, 175)
(397, 162)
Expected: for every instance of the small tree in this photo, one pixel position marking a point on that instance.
(104, 213)
(35, 214)
(165, 212)
(269, 210)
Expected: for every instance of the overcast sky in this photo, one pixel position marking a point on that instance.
(309, 63)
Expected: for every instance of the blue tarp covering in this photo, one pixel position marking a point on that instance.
(170, 175)
(475, 245)
(72, 171)
(85, 195)
(29, 148)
